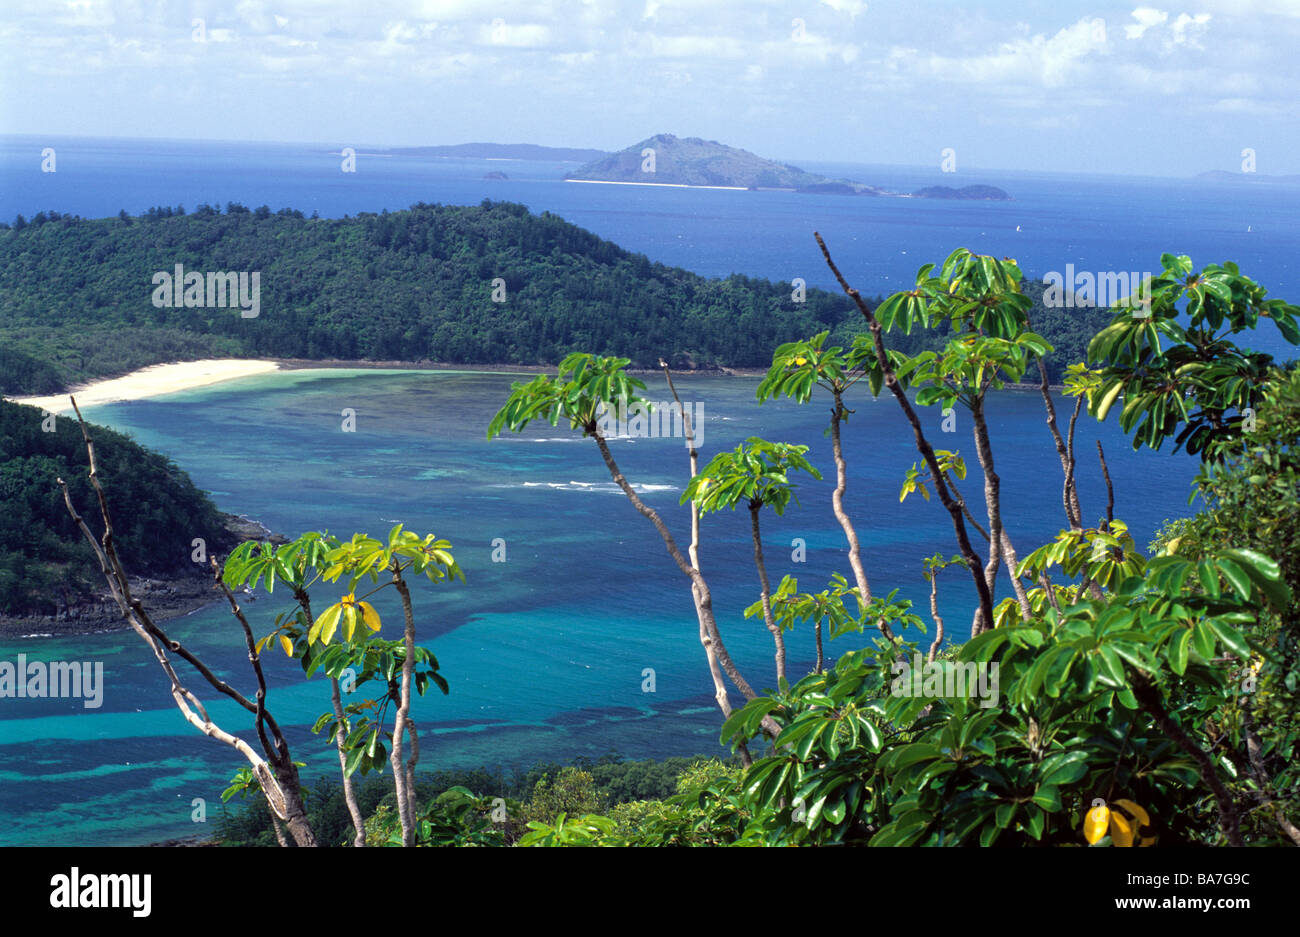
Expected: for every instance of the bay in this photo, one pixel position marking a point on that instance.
(547, 652)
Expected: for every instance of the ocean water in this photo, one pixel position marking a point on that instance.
(546, 652)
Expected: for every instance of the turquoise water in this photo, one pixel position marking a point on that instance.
(544, 652)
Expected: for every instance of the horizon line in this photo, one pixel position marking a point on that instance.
(784, 160)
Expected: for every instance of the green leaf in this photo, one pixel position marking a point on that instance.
(1232, 638)
(1109, 400)
(1178, 650)
(1236, 577)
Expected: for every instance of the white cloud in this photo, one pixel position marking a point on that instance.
(515, 35)
(1187, 30)
(575, 58)
(1038, 60)
(93, 13)
(1146, 17)
(1252, 9)
(852, 7)
(1249, 106)
(651, 45)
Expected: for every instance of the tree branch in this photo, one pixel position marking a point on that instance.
(922, 444)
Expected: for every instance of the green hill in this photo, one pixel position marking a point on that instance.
(414, 285)
(46, 566)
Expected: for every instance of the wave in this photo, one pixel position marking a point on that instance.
(624, 437)
(603, 487)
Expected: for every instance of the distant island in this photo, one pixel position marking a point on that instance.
(496, 176)
(520, 151)
(977, 192)
(1223, 175)
(665, 159)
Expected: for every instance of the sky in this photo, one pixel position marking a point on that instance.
(1029, 85)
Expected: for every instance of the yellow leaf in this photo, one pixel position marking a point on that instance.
(349, 620)
(1095, 824)
(287, 645)
(1121, 831)
(369, 616)
(1142, 821)
(327, 622)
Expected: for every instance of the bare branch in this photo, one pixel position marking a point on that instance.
(279, 786)
(1110, 491)
(922, 444)
(706, 639)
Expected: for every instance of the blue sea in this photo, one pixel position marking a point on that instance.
(546, 652)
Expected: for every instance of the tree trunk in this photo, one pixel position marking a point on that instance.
(1069, 490)
(922, 443)
(706, 640)
(349, 793)
(284, 794)
(999, 542)
(934, 613)
(837, 506)
(766, 595)
(700, 589)
(405, 797)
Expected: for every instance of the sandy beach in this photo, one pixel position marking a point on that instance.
(152, 381)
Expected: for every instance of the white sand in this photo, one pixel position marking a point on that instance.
(152, 381)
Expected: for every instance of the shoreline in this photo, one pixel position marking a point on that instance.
(166, 598)
(173, 377)
(153, 381)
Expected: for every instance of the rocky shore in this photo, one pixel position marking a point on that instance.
(164, 597)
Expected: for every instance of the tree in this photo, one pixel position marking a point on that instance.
(273, 769)
(300, 564)
(360, 655)
(586, 389)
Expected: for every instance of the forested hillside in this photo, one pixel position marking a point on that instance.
(45, 563)
(416, 285)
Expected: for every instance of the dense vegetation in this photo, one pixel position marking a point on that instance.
(44, 564)
(539, 794)
(413, 285)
